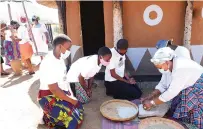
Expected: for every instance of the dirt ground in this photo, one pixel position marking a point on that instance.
(27, 86)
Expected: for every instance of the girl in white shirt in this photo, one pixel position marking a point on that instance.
(185, 90)
(82, 72)
(117, 82)
(61, 109)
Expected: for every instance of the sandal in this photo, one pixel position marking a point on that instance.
(31, 73)
(4, 73)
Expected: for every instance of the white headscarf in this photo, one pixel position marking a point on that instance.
(162, 55)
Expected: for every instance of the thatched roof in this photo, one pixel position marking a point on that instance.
(48, 3)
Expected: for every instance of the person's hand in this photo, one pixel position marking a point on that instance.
(89, 93)
(74, 102)
(10, 27)
(12, 37)
(83, 84)
(147, 105)
(132, 81)
(88, 90)
(127, 81)
(143, 99)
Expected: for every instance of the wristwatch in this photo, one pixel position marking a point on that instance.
(153, 103)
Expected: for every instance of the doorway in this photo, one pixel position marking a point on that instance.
(92, 23)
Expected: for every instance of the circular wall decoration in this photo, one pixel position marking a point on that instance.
(202, 12)
(146, 15)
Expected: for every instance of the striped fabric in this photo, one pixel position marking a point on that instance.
(82, 95)
(191, 104)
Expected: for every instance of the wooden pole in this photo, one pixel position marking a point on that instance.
(29, 27)
(117, 21)
(9, 12)
(188, 24)
(60, 17)
(12, 33)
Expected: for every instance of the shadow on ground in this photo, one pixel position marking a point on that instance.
(14, 80)
(33, 91)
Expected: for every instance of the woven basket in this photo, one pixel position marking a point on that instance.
(159, 123)
(16, 66)
(109, 109)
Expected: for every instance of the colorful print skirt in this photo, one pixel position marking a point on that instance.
(8, 50)
(188, 106)
(60, 114)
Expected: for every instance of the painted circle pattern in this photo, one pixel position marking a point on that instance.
(202, 12)
(148, 10)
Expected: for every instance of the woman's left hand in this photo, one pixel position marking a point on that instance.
(147, 105)
(132, 81)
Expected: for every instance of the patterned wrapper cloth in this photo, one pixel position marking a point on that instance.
(9, 53)
(81, 94)
(61, 114)
(190, 106)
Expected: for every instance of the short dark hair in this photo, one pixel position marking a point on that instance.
(14, 23)
(169, 42)
(35, 18)
(60, 39)
(104, 51)
(122, 44)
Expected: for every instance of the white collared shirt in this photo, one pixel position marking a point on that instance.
(86, 66)
(23, 34)
(181, 51)
(117, 62)
(185, 73)
(53, 70)
(164, 82)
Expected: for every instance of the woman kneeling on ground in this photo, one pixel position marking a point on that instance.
(82, 72)
(185, 90)
(61, 109)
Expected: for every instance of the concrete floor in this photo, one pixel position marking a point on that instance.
(18, 98)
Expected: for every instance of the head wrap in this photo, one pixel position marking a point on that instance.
(163, 43)
(162, 55)
(23, 19)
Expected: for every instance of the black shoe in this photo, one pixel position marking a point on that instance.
(31, 73)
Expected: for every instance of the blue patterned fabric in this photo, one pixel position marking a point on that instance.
(190, 107)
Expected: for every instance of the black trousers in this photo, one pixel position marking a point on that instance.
(2, 61)
(72, 86)
(122, 90)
